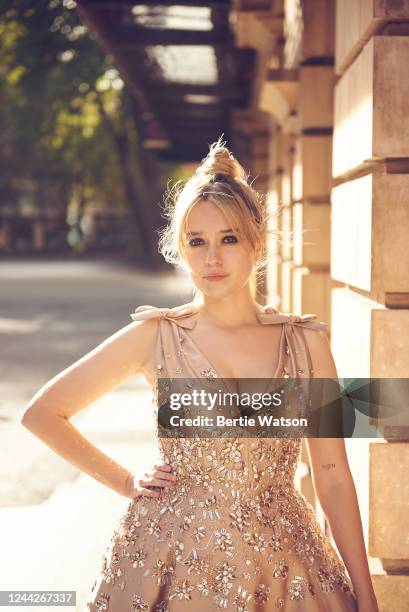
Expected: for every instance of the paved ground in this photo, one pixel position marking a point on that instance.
(55, 521)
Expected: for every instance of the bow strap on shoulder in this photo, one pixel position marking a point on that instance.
(271, 316)
(183, 316)
(180, 315)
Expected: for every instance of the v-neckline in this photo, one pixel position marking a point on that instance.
(200, 352)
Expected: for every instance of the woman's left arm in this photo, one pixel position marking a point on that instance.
(335, 487)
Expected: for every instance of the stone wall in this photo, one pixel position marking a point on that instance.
(332, 88)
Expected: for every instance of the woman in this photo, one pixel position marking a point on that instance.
(220, 524)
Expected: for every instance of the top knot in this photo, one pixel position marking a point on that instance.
(220, 163)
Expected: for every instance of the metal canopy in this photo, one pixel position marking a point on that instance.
(182, 66)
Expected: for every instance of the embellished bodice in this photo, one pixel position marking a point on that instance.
(255, 469)
(177, 356)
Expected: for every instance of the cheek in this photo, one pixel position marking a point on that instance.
(240, 259)
(194, 258)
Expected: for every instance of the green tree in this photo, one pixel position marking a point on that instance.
(67, 125)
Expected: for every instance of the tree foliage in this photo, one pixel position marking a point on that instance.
(54, 80)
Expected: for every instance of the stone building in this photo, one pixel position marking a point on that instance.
(328, 138)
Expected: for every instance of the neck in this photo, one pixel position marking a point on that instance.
(234, 310)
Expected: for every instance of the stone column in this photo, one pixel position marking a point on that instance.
(299, 95)
(369, 256)
(310, 49)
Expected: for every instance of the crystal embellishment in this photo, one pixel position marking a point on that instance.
(208, 373)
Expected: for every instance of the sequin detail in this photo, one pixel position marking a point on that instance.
(208, 373)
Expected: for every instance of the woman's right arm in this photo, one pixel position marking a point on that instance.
(101, 370)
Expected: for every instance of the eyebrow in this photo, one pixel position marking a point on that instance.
(224, 231)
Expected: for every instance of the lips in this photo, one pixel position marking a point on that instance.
(214, 276)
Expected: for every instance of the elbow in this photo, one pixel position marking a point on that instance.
(29, 417)
(33, 417)
(41, 423)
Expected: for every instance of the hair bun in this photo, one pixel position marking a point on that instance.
(220, 162)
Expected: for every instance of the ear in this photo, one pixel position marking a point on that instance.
(260, 245)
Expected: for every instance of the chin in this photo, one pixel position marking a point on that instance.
(218, 291)
(221, 293)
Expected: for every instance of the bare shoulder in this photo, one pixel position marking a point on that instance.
(138, 339)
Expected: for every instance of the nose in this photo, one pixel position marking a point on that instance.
(213, 256)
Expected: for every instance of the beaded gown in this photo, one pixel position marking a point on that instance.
(234, 533)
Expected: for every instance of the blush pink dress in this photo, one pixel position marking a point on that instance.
(234, 533)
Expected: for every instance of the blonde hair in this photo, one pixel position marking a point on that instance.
(221, 180)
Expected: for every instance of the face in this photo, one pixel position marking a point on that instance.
(220, 261)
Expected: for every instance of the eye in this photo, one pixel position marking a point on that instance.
(195, 242)
(231, 239)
